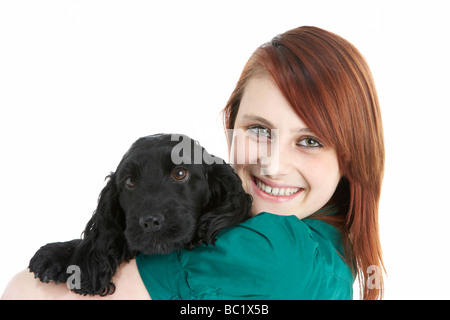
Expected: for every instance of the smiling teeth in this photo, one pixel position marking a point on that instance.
(276, 191)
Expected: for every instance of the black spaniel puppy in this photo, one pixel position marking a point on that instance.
(166, 194)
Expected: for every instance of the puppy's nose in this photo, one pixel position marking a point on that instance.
(151, 222)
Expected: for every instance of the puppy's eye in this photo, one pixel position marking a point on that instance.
(180, 174)
(130, 183)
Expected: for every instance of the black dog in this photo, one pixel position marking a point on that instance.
(161, 198)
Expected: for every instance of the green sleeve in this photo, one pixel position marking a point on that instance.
(268, 257)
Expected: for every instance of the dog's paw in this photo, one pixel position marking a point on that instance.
(50, 262)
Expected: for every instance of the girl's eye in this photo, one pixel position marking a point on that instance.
(310, 143)
(130, 183)
(260, 131)
(180, 174)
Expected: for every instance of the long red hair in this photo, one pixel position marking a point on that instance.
(328, 83)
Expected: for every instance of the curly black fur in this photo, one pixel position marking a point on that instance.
(145, 208)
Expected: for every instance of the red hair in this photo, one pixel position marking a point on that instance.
(328, 83)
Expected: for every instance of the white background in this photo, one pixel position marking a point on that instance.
(81, 80)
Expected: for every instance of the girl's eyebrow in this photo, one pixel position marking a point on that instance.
(302, 130)
(251, 117)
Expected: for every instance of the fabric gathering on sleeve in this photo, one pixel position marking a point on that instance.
(266, 257)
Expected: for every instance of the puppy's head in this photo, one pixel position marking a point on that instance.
(164, 187)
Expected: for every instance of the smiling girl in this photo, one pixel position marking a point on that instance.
(309, 98)
(315, 90)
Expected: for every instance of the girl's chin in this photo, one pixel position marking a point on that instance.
(276, 212)
(259, 205)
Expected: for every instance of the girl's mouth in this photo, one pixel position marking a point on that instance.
(272, 192)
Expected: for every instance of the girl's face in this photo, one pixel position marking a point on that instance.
(282, 164)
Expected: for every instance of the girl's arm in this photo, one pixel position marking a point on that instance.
(24, 286)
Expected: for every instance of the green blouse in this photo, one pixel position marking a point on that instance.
(266, 257)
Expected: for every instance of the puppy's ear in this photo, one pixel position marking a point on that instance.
(228, 203)
(104, 245)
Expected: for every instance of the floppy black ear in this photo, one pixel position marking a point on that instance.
(228, 203)
(104, 245)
